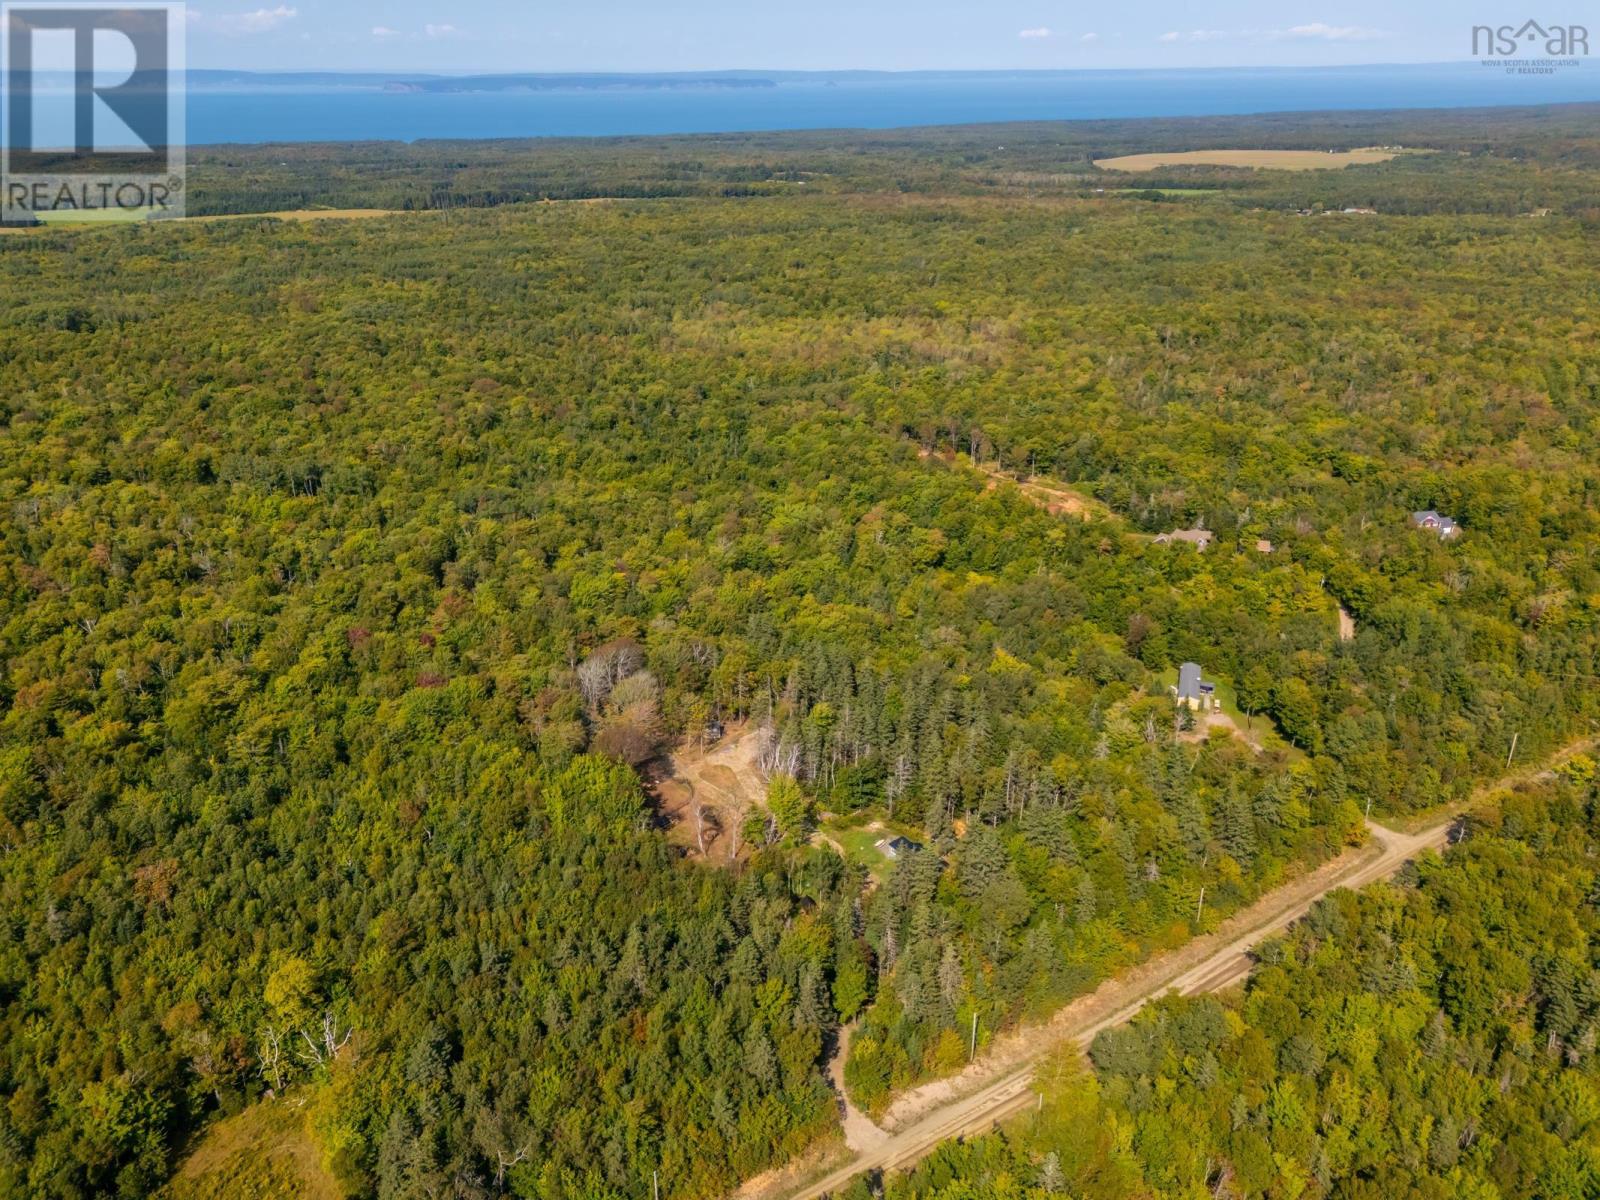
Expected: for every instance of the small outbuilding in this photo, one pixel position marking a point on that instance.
(896, 847)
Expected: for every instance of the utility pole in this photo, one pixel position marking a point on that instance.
(1513, 751)
(655, 1185)
(1200, 908)
(1369, 808)
(973, 1053)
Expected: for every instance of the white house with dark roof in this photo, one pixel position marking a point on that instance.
(1198, 538)
(1435, 522)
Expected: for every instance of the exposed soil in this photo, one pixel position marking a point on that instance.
(859, 1131)
(1218, 719)
(1055, 498)
(704, 793)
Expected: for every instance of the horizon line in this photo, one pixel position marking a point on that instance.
(459, 72)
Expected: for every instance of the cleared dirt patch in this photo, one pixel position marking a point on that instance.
(1054, 497)
(1347, 625)
(704, 794)
(1217, 720)
(1277, 160)
(1056, 500)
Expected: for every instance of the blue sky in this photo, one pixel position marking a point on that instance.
(642, 35)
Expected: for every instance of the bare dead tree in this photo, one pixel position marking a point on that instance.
(269, 1051)
(766, 746)
(324, 1049)
(605, 668)
(204, 1060)
(504, 1162)
(736, 809)
(786, 759)
(594, 680)
(504, 1139)
(899, 777)
(330, 1039)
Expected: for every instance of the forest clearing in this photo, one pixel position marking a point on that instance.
(705, 793)
(265, 1151)
(1274, 160)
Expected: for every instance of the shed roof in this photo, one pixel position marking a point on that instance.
(1189, 680)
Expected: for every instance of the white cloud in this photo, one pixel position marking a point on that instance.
(262, 20)
(1196, 35)
(1090, 37)
(1035, 35)
(1322, 31)
(1319, 31)
(431, 32)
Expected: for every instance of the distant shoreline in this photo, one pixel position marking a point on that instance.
(233, 107)
(294, 77)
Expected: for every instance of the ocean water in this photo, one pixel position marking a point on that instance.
(251, 113)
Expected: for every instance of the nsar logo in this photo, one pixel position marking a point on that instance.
(1549, 47)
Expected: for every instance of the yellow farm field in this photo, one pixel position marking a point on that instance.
(309, 214)
(1279, 160)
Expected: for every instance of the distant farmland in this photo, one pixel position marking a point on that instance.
(1281, 160)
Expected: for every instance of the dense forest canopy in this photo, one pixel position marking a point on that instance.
(1429, 1039)
(1504, 161)
(351, 569)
